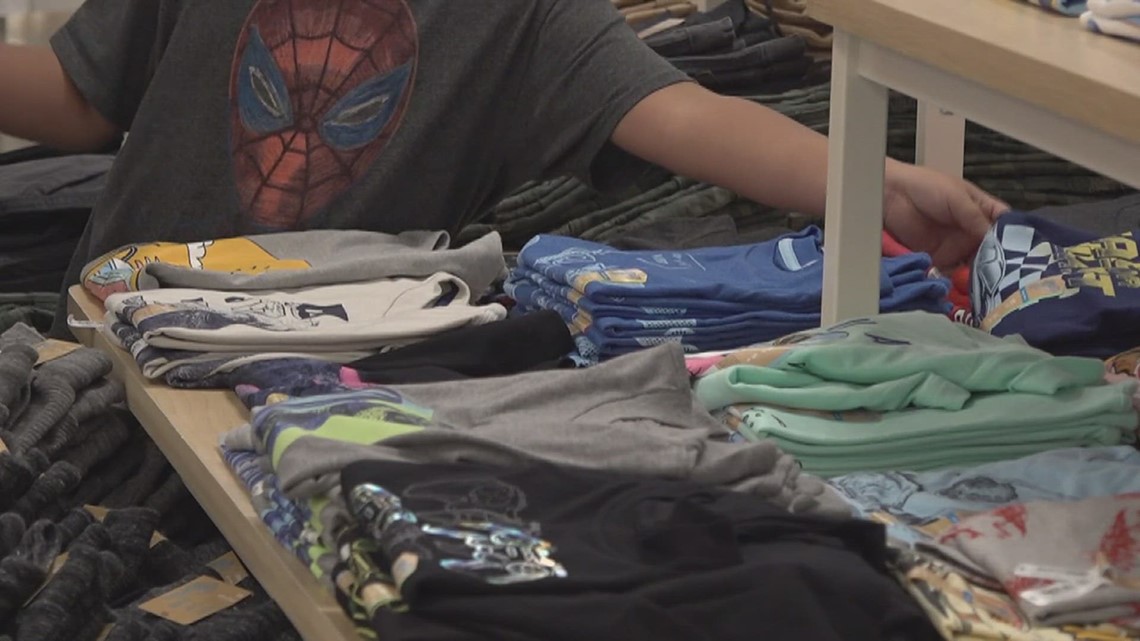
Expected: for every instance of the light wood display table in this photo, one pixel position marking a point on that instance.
(1005, 64)
(186, 425)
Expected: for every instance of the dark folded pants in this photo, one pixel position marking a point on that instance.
(753, 77)
(758, 55)
(704, 38)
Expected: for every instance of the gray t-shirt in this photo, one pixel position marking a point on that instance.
(250, 116)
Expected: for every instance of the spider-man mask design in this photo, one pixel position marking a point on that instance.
(317, 90)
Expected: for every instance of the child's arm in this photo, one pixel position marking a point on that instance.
(730, 142)
(39, 102)
(772, 159)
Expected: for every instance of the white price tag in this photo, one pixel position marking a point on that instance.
(1049, 573)
(1060, 592)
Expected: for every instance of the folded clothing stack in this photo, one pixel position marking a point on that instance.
(44, 207)
(1064, 562)
(1062, 289)
(66, 573)
(732, 49)
(633, 415)
(522, 467)
(789, 18)
(1120, 18)
(476, 552)
(706, 299)
(189, 311)
(37, 310)
(964, 610)
(641, 12)
(917, 505)
(914, 391)
(959, 296)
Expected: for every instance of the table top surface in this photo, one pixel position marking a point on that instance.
(186, 425)
(12, 7)
(1043, 58)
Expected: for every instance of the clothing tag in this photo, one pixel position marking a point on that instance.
(1060, 592)
(52, 349)
(229, 568)
(74, 322)
(97, 511)
(52, 571)
(1049, 573)
(195, 601)
(937, 527)
(883, 517)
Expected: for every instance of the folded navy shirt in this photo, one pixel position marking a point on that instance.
(1064, 290)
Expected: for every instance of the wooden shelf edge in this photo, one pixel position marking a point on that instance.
(309, 606)
(982, 55)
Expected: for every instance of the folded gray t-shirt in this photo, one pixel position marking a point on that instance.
(635, 414)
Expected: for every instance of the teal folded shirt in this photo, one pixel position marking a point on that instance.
(989, 427)
(749, 384)
(890, 362)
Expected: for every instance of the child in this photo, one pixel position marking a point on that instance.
(250, 116)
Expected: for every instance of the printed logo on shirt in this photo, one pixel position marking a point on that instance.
(364, 582)
(251, 311)
(467, 526)
(1105, 264)
(582, 278)
(1120, 544)
(1016, 269)
(118, 271)
(317, 90)
(673, 261)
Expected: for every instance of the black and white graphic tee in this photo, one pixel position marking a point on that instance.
(556, 553)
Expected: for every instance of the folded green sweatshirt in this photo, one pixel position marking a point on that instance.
(888, 362)
(989, 427)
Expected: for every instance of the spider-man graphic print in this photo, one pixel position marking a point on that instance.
(317, 89)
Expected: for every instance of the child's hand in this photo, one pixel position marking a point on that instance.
(935, 213)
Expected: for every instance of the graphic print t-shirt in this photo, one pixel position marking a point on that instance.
(564, 554)
(1062, 289)
(253, 116)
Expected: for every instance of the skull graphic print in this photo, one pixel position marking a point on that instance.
(317, 90)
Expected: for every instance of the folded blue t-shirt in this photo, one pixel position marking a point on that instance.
(590, 352)
(784, 274)
(1070, 474)
(1064, 290)
(528, 293)
(916, 290)
(608, 344)
(635, 307)
(704, 337)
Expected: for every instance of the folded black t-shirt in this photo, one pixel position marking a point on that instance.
(518, 344)
(554, 553)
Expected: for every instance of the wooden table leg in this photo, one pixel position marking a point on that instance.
(940, 142)
(854, 223)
